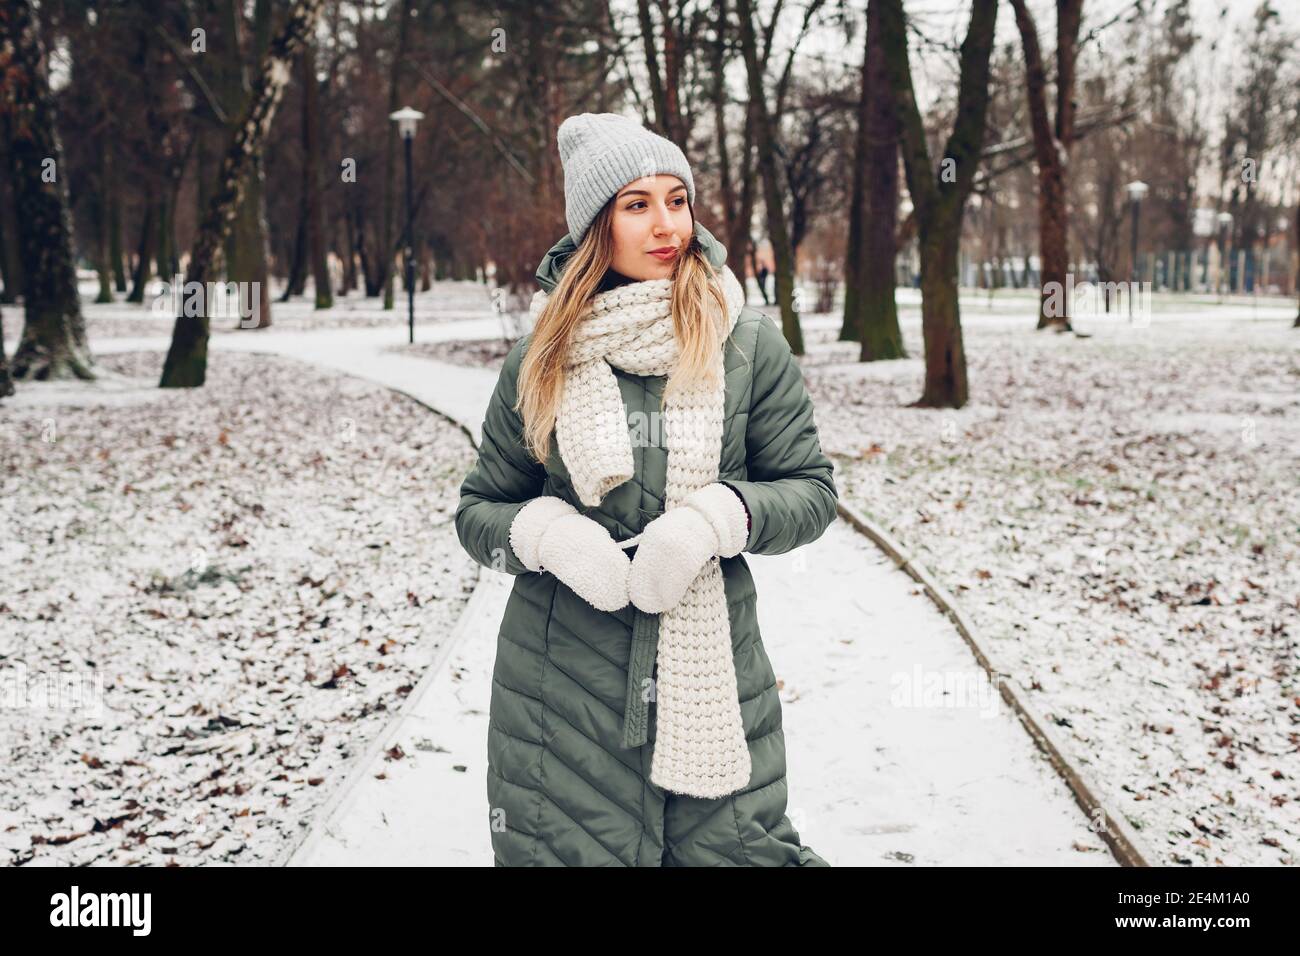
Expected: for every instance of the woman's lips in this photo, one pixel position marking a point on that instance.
(666, 256)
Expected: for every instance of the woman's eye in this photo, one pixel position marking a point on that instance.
(681, 201)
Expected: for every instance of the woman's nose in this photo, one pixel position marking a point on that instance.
(663, 219)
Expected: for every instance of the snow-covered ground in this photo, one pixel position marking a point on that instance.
(1121, 517)
(1120, 514)
(241, 583)
(447, 302)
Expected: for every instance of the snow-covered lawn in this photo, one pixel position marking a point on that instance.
(1120, 515)
(446, 301)
(243, 581)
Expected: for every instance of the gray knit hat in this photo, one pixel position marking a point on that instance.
(603, 152)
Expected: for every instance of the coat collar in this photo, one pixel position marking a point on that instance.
(552, 264)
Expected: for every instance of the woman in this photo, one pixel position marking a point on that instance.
(634, 717)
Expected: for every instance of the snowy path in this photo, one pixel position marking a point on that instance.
(876, 773)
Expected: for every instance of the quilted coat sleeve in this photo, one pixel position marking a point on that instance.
(502, 481)
(790, 492)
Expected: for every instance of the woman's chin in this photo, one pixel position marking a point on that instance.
(660, 268)
(653, 270)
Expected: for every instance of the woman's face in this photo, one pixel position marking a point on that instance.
(650, 214)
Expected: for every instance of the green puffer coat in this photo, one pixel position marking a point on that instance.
(570, 737)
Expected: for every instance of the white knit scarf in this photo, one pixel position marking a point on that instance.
(700, 748)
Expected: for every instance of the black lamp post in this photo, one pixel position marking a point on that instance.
(406, 118)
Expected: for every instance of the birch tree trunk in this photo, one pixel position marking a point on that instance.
(186, 364)
(247, 244)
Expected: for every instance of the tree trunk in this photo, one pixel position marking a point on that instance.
(115, 231)
(778, 234)
(760, 277)
(6, 383)
(372, 263)
(350, 256)
(939, 202)
(855, 254)
(387, 242)
(298, 263)
(663, 86)
(5, 294)
(315, 197)
(426, 267)
(53, 342)
(945, 354)
(737, 211)
(247, 248)
(11, 263)
(144, 252)
(100, 204)
(1053, 247)
(1051, 151)
(166, 239)
(872, 314)
(186, 364)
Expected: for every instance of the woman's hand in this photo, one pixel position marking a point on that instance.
(675, 546)
(548, 534)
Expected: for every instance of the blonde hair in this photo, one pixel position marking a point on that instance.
(699, 331)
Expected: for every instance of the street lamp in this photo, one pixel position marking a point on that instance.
(406, 118)
(1225, 223)
(1137, 191)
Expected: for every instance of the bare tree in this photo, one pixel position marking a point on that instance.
(870, 309)
(939, 200)
(388, 243)
(53, 342)
(766, 120)
(315, 198)
(680, 28)
(1254, 126)
(246, 245)
(1052, 143)
(187, 359)
(737, 204)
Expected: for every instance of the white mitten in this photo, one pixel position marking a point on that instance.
(548, 534)
(675, 546)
